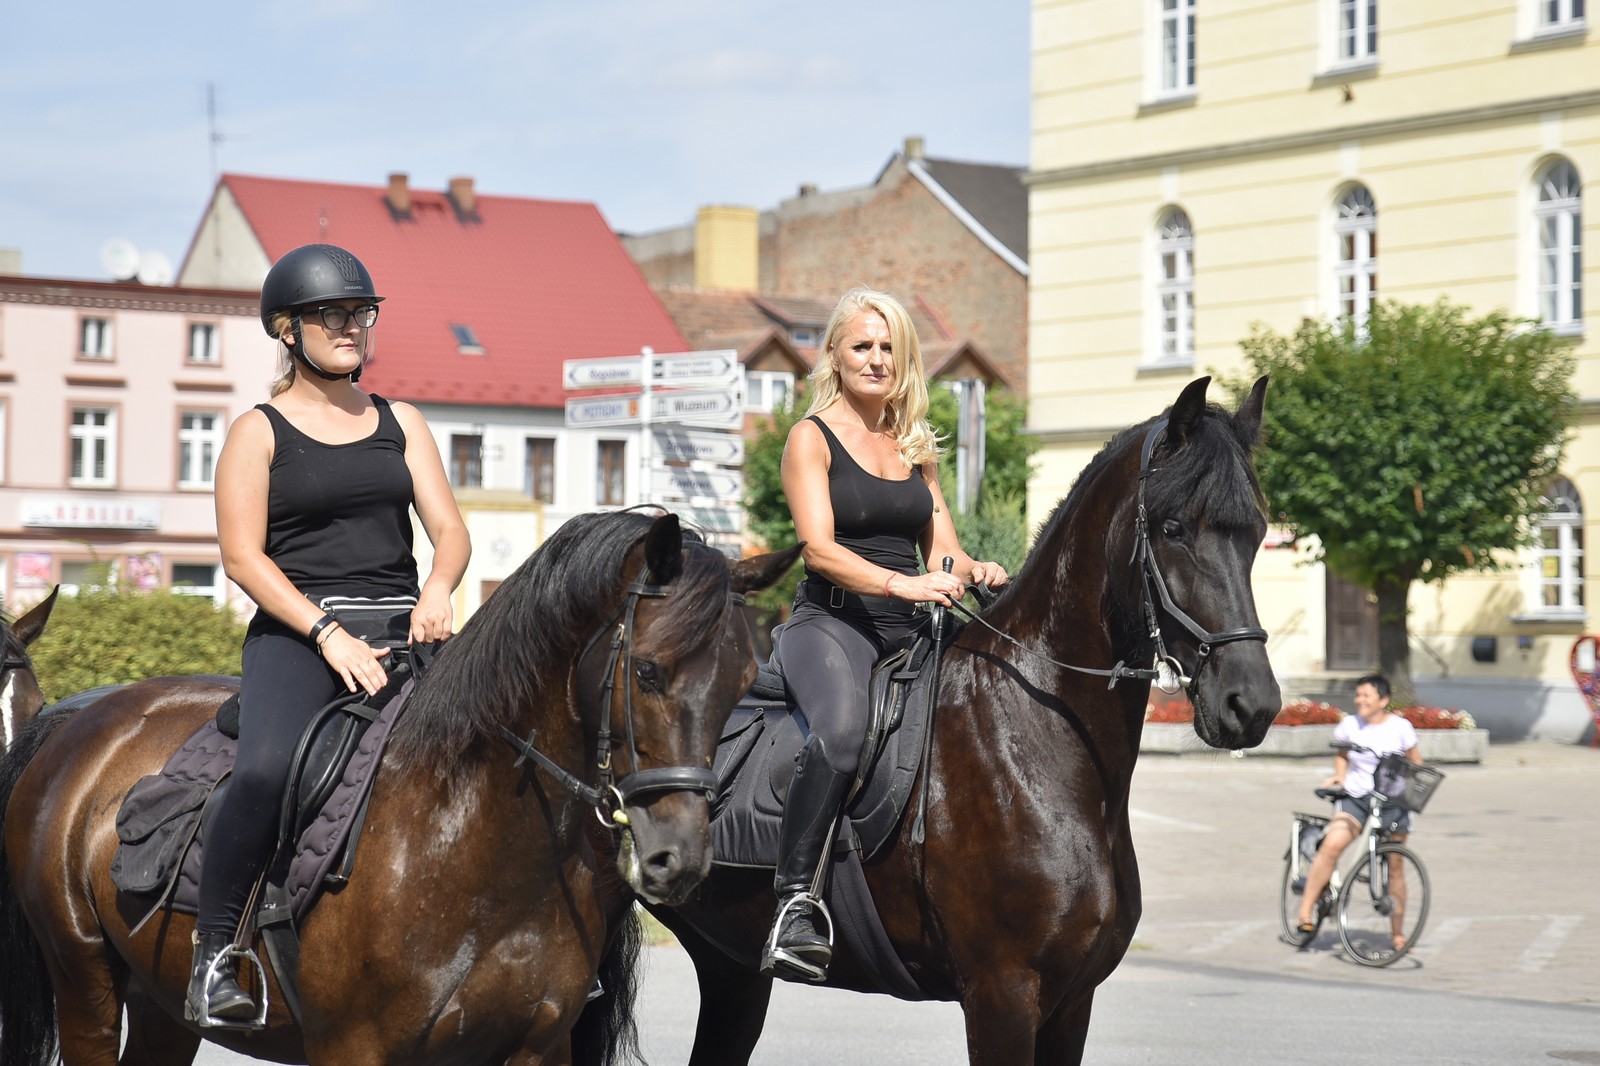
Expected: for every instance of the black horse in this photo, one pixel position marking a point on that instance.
(1025, 894)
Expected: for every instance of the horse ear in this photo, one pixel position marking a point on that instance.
(1186, 412)
(1250, 413)
(763, 571)
(663, 549)
(29, 626)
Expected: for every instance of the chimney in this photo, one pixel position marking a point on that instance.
(727, 243)
(808, 189)
(913, 149)
(399, 195)
(464, 199)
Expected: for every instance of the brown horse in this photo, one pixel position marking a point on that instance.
(20, 695)
(1025, 894)
(486, 889)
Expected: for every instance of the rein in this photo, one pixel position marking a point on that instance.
(612, 794)
(1167, 673)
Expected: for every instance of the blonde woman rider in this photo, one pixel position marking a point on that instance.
(861, 476)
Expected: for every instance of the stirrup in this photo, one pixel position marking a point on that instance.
(779, 961)
(259, 993)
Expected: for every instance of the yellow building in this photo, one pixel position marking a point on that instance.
(1202, 165)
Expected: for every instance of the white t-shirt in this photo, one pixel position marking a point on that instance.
(1394, 735)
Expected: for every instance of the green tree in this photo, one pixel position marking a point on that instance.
(107, 634)
(995, 529)
(1413, 450)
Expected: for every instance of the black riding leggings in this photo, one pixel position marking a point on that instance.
(827, 657)
(285, 683)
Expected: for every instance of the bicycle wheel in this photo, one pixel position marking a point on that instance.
(1379, 924)
(1289, 906)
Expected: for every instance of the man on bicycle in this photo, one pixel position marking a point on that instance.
(1371, 733)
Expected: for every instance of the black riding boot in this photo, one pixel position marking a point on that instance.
(219, 1001)
(796, 950)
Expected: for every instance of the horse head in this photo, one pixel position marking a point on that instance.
(20, 695)
(679, 656)
(1202, 525)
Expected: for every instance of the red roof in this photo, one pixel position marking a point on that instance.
(537, 282)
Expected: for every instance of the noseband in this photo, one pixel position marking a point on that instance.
(1167, 673)
(1150, 577)
(612, 794)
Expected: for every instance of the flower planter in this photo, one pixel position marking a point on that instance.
(1315, 741)
(1453, 745)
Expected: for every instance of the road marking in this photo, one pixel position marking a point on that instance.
(1548, 943)
(1435, 938)
(1171, 823)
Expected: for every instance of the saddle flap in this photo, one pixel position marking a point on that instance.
(154, 801)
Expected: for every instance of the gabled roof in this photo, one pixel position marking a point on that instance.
(990, 200)
(536, 281)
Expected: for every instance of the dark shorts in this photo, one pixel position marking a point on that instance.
(1395, 819)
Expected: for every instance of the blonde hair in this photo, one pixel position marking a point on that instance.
(907, 409)
(280, 322)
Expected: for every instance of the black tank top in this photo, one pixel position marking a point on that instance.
(339, 515)
(877, 518)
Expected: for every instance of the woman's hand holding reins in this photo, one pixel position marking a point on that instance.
(992, 575)
(935, 587)
(432, 619)
(354, 660)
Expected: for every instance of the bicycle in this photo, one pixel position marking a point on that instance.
(1384, 894)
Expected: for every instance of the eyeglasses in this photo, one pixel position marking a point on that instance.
(337, 317)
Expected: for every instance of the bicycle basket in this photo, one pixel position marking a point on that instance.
(1406, 784)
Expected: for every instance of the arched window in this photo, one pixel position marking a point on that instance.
(1356, 231)
(1558, 218)
(1175, 287)
(1560, 553)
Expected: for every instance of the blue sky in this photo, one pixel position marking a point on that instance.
(648, 108)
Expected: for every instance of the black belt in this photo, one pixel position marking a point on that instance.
(827, 594)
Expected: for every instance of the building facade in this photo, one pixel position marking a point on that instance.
(114, 401)
(1200, 167)
(947, 234)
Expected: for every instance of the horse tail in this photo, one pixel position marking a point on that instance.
(28, 1034)
(606, 1033)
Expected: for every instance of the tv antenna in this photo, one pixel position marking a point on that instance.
(213, 135)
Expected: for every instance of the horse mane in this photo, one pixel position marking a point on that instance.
(1211, 477)
(519, 649)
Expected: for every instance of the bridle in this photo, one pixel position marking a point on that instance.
(1167, 673)
(11, 662)
(612, 793)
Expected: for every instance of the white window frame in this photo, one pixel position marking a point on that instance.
(205, 343)
(1558, 247)
(95, 334)
(84, 437)
(1355, 277)
(1355, 32)
(622, 471)
(1172, 335)
(760, 385)
(555, 467)
(72, 588)
(1565, 558)
(216, 591)
(1176, 47)
(1557, 15)
(203, 443)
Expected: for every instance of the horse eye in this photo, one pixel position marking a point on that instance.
(649, 675)
(1172, 528)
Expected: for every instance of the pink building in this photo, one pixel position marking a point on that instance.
(114, 401)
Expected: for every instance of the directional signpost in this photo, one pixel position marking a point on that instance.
(693, 468)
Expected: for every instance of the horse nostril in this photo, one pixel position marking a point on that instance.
(663, 867)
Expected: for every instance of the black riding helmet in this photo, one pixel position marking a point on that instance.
(312, 274)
